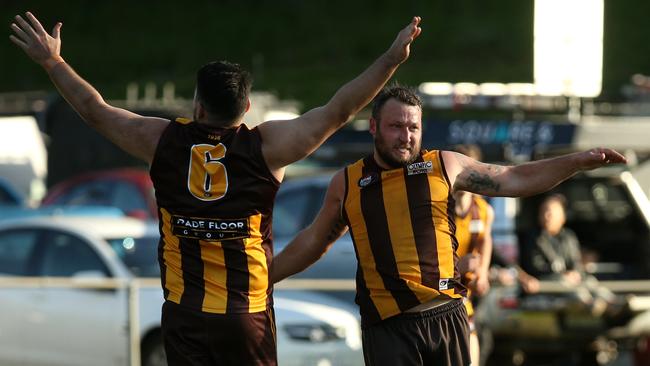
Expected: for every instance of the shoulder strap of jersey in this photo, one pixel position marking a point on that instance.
(182, 120)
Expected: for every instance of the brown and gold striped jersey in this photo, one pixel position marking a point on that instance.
(470, 228)
(402, 224)
(215, 199)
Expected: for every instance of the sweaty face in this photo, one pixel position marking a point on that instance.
(398, 134)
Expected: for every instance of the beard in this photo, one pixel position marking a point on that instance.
(385, 151)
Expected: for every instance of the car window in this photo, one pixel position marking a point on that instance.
(293, 210)
(64, 255)
(6, 198)
(140, 255)
(98, 193)
(128, 198)
(16, 247)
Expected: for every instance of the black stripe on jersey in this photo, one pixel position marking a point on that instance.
(444, 170)
(237, 277)
(374, 213)
(451, 219)
(369, 311)
(419, 196)
(191, 262)
(362, 298)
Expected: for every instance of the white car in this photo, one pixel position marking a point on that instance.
(64, 299)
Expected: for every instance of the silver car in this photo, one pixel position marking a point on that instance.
(65, 286)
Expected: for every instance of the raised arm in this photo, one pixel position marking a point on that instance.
(135, 134)
(285, 142)
(312, 242)
(526, 179)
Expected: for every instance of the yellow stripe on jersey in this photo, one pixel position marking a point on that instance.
(440, 211)
(183, 121)
(400, 229)
(214, 274)
(383, 300)
(172, 260)
(257, 266)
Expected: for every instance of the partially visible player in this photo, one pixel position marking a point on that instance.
(474, 218)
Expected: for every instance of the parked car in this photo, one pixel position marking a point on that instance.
(10, 212)
(296, 205)
(128, 189)
(65, 298)
(9, 196)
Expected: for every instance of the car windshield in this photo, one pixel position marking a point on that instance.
(140, 255)
(294, 209)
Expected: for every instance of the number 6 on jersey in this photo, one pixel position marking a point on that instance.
(207, 177)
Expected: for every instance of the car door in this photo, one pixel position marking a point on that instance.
(76, 326)
(295, 208)
(17, 302)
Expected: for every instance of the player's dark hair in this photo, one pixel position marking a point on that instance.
(402, 94)
(223, 88)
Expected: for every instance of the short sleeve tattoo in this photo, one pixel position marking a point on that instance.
(482, 181)
(336, 230)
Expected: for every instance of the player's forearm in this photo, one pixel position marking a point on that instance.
(82, 96)
(540, 176)
(360, 91)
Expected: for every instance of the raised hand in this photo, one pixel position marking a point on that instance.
(400, 49)
(40, 46)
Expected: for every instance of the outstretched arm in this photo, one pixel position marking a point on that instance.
(285, 142)
(526, 179)
(312, 242)
(135, 134)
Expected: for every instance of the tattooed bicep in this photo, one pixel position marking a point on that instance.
(481, 178)
(336, 229)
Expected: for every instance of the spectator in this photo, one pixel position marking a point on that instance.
(553, 253)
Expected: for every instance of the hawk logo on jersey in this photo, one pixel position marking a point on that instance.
(443, 284)
(422, 167)
(368, 180)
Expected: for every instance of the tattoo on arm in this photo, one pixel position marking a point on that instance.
(477, 182)
(335, 230)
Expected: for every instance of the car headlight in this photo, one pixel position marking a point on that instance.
(314, 332)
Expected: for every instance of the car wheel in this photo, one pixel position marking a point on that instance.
(153, 351)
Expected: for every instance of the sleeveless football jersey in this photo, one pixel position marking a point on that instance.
(215, 196)
(402, 224)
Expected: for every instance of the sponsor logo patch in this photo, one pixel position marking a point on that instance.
(368, 180)
(210, 229)
(422, 167)
(443, 284)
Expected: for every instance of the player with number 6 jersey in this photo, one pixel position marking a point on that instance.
(215, 196)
